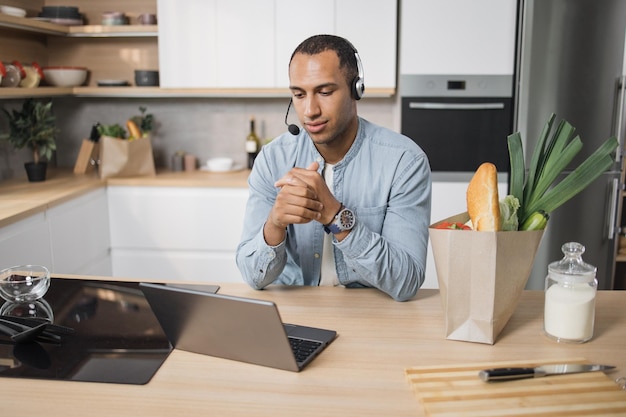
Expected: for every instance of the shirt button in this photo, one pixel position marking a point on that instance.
(319, 159)
(317, 255)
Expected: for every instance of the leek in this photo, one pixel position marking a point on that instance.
(536, 190)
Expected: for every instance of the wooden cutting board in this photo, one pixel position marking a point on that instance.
(456, 391)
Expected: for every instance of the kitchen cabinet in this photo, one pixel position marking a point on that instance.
(457, 37)
(26, 242)
(72, 237)
(212, 48)
(176, 233)
(79, 235)
(289, 35)
(243, 44)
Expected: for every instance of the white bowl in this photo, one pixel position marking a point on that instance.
(220, 164)
(13, 11)
(65, 76)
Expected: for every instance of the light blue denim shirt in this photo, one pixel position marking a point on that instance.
(384, 178)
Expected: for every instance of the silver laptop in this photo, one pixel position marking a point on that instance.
(236, 328)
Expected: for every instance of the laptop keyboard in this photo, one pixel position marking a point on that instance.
(302, 348)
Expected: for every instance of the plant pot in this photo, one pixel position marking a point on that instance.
(36, 171)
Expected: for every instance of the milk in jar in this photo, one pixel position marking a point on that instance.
(571, 284)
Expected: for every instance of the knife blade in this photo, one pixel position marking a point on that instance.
(508, 374)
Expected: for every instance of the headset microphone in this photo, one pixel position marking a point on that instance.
(293, 129)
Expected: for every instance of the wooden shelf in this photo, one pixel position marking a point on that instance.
(126, 31)
(35, 92)
(37, 26)
(157, 92)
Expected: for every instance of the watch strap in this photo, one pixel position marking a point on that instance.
(332, 227)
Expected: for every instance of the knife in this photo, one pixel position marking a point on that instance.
(507, 374)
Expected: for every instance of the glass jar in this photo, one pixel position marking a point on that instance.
(12, 75)
(570, 295)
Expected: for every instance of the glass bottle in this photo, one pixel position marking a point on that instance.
(570, 295)
(253, 144)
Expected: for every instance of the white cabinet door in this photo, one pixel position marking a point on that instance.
(216, 44)
(187, 43)
(176, 232)
(293, 26)
(245, 44)
(79, 235)
(371, 25)
(457, 36)
(203, 266)
(26, 242)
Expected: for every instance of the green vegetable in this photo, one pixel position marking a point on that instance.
(537, 191)
(144, 121)
(114, 131)
(508, 213)
(536, 221)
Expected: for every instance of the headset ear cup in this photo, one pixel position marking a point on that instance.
(358, 88)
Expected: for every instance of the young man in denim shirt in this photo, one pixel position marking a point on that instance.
(342, 201)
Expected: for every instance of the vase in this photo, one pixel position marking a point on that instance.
(36, 171)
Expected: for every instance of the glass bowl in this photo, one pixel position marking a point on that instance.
(39, 309)
(24, 283)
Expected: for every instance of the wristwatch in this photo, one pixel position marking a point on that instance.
(344, 220)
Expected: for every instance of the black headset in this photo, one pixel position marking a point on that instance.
(358, 84)
(357, 88)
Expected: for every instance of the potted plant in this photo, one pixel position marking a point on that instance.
(33, 127)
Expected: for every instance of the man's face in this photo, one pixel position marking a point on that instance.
(322, 98)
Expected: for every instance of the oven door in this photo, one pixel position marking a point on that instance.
(460, 133)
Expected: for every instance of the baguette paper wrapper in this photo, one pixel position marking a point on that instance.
(481, 277)
(126, 158)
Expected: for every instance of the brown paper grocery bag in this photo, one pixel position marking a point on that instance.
(125, 158)
(481, 276)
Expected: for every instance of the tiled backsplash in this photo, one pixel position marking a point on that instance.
(205, 127)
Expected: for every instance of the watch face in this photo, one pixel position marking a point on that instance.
(346, 219)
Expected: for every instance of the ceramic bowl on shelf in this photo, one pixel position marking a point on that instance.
(13, 11)
(24, 283)
(145, 78)
(61, 15)
(64, 12)
(65, 76)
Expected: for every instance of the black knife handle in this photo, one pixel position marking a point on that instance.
(506, 374)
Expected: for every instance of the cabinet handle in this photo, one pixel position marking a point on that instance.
(613, 209)
(456, 106)
(619, 117)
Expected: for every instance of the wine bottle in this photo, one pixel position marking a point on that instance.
(253, 144)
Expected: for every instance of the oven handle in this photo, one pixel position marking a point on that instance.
(455, 106)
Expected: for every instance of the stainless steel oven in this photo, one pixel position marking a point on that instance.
(459, 121)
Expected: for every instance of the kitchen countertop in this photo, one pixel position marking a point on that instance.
(362, 373)
(20, 198)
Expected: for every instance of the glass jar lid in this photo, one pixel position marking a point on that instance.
(572, 268)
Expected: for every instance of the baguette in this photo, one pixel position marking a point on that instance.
(482, 199)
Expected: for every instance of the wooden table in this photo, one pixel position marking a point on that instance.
(360, 374)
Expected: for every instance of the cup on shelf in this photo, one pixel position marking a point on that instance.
(114, 19)
(147, 19)
(146, 78)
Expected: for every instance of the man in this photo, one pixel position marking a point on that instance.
(342, 202)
